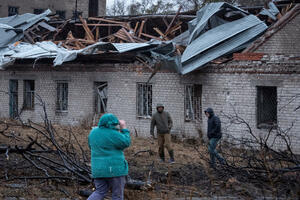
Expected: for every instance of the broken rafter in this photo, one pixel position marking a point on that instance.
(128, 35)
(161, 34)
(145, 17)
(165, 21)
(89, 34)
(60, 28)
(141, 28)
(171, 24)
(151, 36)
(174, 28)
(143, 62)
(29, 38)
(109, 25)
(105, 20)
(120, 34)
(136, 27)
(140, 40)
(70, 37)
(110, 22)
(97, 33)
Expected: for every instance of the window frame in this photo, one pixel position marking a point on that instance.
(196, 101)
(26, 104)
(148, 113)
(260, 122)
(60, 100)
(16, 9)
(97, 98)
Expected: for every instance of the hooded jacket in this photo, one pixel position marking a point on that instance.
(162, 121)
(213, 125)
(107, 144)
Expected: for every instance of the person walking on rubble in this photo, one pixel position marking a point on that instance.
(214, 135)
(163, 122)
(109, 167)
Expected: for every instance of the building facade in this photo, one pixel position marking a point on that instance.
(263, 93)
(260, 86)
(65, 9)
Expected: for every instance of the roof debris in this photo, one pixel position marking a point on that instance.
(180, 42)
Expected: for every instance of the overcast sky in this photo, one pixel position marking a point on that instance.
(109, 3)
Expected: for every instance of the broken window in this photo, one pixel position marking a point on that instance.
(13, 98)
(61, 14)
(266, 106)
(193, 103)
(144, 100)
(62, 96)
(28, 94)
(12, 10)
(100, 97)
(38, 11)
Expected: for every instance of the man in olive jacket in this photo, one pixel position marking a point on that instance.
(163, 122)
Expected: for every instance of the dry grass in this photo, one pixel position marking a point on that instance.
(189, 176)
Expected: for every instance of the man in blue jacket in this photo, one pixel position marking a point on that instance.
(109, 167)
(214, 134)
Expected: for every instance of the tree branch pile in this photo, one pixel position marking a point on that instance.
(52, 155)
(257, 157)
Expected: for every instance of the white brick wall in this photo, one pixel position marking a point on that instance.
(121, 97)
(285, 40)
(221, 91)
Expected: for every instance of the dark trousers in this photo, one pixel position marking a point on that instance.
(116, 184)
(213, 152)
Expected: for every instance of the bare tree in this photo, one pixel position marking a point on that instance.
(150, 7)
(195, 5)
(118, 8)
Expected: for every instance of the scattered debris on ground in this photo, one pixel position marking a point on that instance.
(188, 177)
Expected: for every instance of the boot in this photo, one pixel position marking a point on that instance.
(171, 153)
(162, 155)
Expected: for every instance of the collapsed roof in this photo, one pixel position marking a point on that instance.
(187, 43)
(219, 29)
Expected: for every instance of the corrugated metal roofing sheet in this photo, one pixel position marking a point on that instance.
(219, 34)
(125, 47)
(223, 48)
(19, 23)
(212, 37)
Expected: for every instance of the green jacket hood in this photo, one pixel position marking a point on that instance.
(108, 120)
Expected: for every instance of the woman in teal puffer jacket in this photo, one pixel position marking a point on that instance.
(109, 166)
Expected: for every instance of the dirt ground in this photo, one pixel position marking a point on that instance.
(188, 177)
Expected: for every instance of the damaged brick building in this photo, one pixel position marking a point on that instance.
(65, 9)
(260, 84)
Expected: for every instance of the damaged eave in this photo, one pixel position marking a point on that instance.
(274, 28)
(223, 38)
